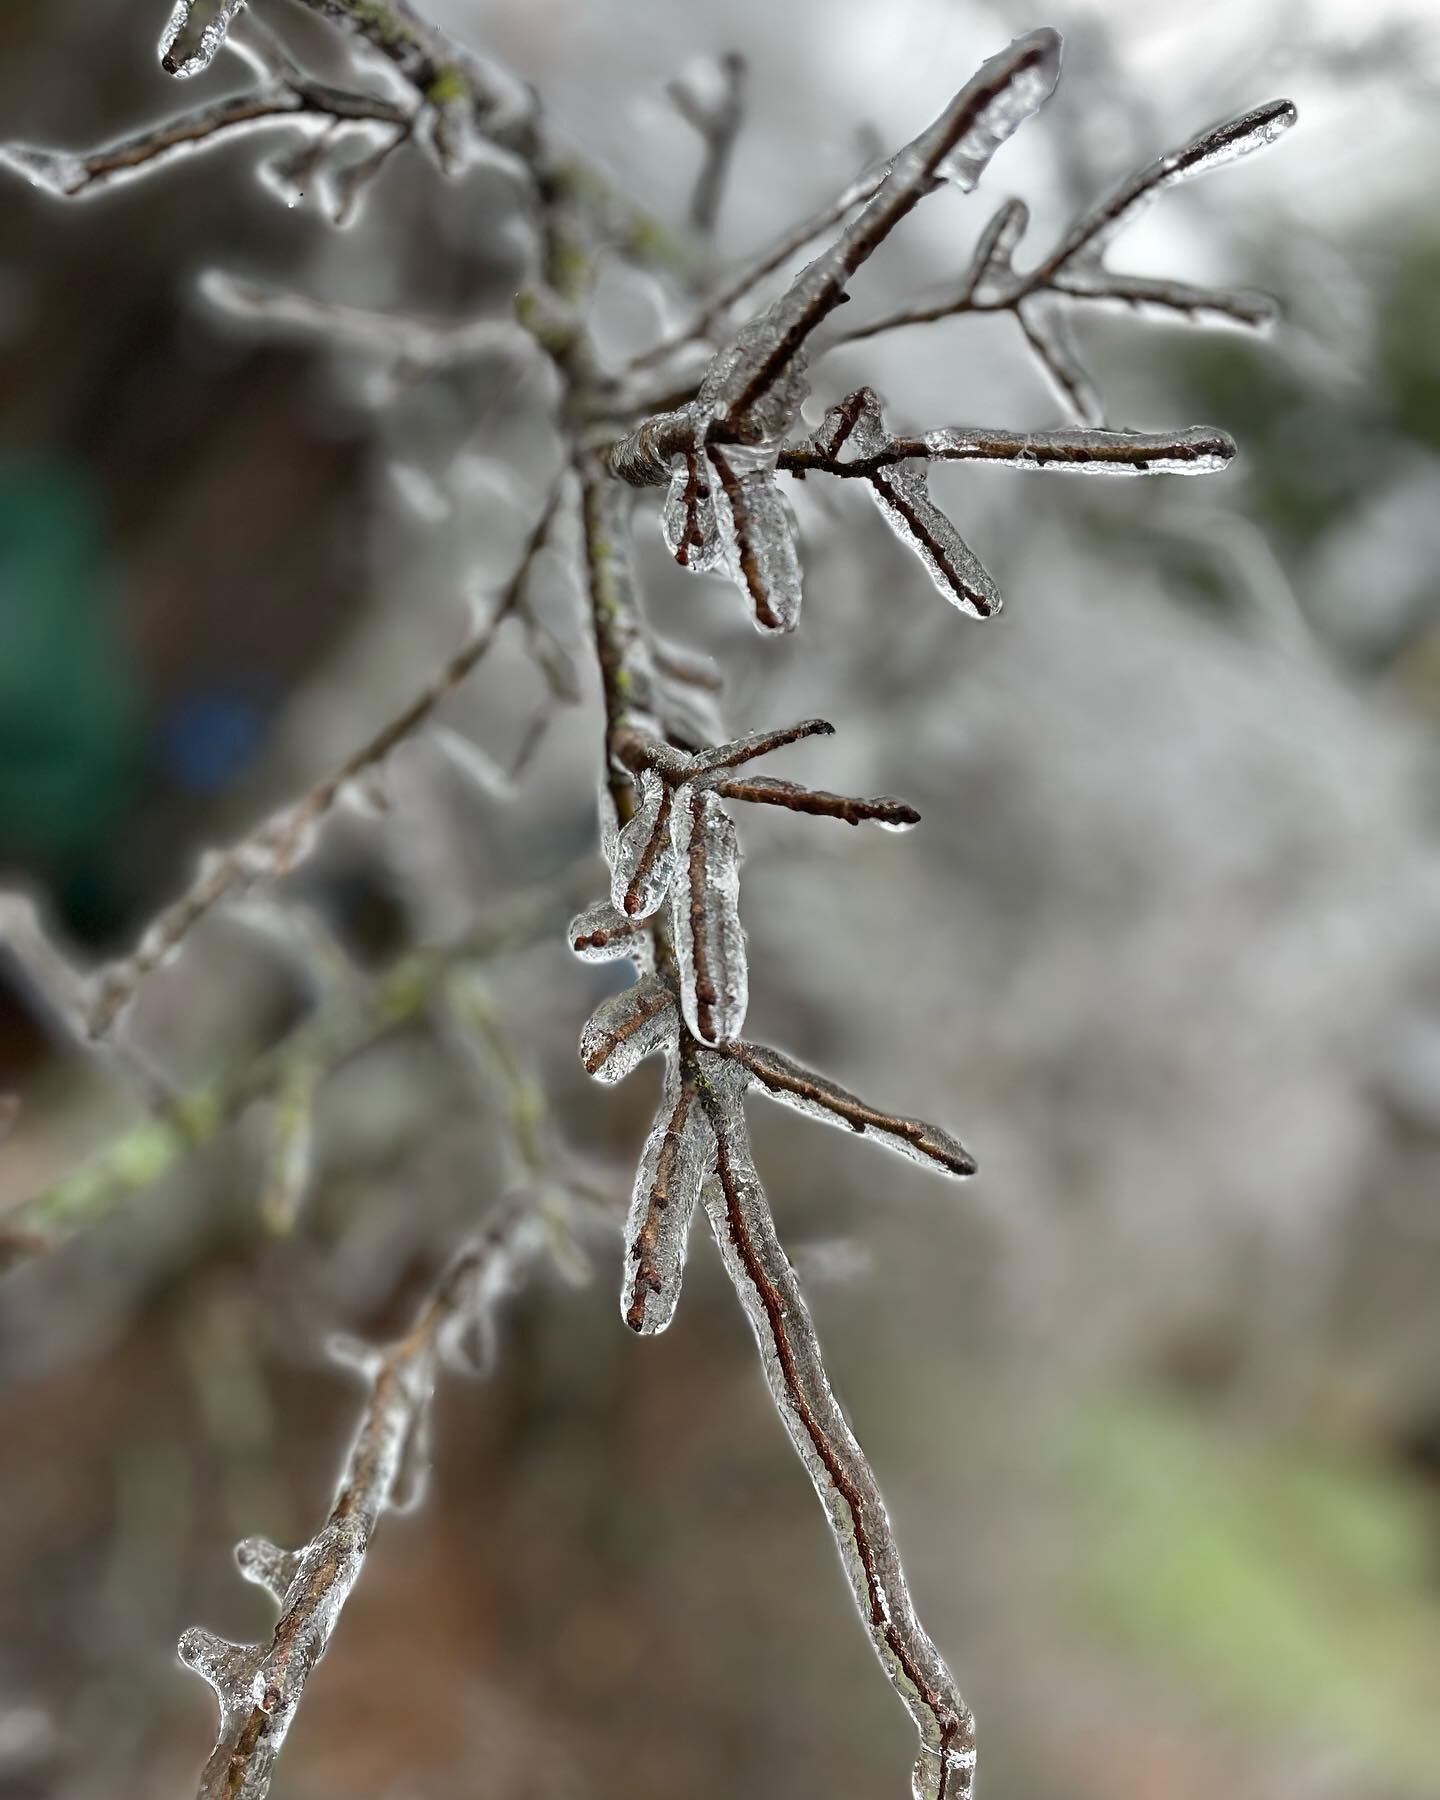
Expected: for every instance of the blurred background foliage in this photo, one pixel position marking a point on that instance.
(1156, 1401)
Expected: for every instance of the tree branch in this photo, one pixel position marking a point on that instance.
(393, 1000)
(278, 845)
(260, 1686)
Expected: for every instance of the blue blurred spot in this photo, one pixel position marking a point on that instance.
(209, 735)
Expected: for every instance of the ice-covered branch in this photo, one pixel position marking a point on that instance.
(755, 1261)
(766, 790)
(287, 837)
(670, 779)
(394, 999)
(1198, 450)
(1074, 272)
(419, 341)
(752, 391)
(718, 306)
(988, 110)
(790, 1082)
(693, 954)
(260, 1686)
(467, 92)
(74, 174)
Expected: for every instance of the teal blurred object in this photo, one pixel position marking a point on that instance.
(70, 718)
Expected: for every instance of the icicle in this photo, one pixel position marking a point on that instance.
(196, 31)
(1022, 86)
(705, 919)
(603, 934)
(678, 1155)
(757, 528)
(688, 522)
(625, 1029)
(644, 863)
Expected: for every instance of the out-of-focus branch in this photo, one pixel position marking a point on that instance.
(447, 75)
(260, 1686)
(703, 326)
(718, 120)
(73, 175)
(286, 838)
(345, 1025)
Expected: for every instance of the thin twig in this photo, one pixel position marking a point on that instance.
(260, 1686)
(748, 278)
(744, 1228)
(766, 790)
(276, 846)
(719, 123)
(788, 1081)
(344, 1026)
(76, 174)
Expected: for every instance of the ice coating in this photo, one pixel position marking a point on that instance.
(1211, 149)
(997, 243)
(195, 32)
(687, 520)
(1015, 99)
(705, 919)
(603, 934)
(52, 171)
(759, 743)
(679, 1153)
(260, 1686)
(625, 1029)
(902, 493)
(986, 111)
(903, 496)
(740, 1218)
(758, 532)
(268, 1566)
(1130, 294)
(1047, 331)
(819, 1098)
(644, 861)
(1196, 451)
